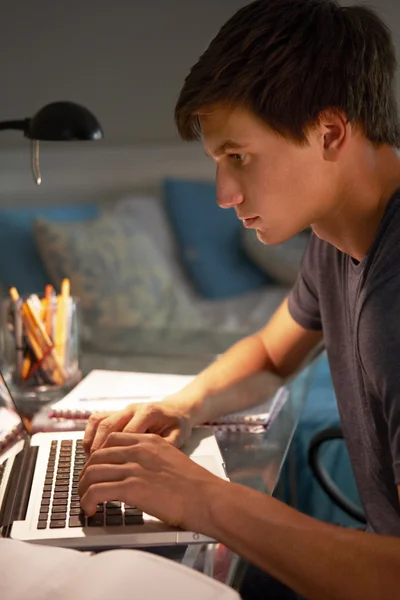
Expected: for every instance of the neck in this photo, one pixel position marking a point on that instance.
(352, 224)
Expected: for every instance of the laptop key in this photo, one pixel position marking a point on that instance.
(60, 500)
(133, 511)
(58, 517)
(76, 521)
(57, 524)
(96, 521)
(113, 520)
(58, 494)
(113, 511)
(59, 510)
(75, 511)
(42, 524)
(62, 477)
(133, 520)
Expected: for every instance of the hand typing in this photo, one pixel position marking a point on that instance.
(168, 418)
(148, 472)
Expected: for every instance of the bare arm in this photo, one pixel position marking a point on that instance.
(251, 369)
(245, 375)
(317, 560)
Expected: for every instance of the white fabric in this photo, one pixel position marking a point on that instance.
(45, 573)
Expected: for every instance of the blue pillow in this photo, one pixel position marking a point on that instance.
(209, 240)
(20, 263)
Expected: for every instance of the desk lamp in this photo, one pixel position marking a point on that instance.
(58, 121)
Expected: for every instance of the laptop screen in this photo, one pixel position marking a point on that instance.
(11, 425)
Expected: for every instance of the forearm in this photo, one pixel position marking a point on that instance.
(243, 376)
(315, 559)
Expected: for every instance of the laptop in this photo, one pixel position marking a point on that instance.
(39, 500)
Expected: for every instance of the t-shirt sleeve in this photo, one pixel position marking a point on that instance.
(379, 351)
(303, 299)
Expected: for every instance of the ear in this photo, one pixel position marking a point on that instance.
(334, 134)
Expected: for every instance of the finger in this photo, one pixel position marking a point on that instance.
(175, 438)
(128, 439)
(106, 492)
(91, 428)
(101, 474)
(111, 456)
(139, 423)
(115, 422)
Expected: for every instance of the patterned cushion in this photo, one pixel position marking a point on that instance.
(116, 271)
(209, 241)
(23, 267)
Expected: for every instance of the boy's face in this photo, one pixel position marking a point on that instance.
(276, 186)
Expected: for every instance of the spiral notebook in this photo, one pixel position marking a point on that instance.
(103, 390)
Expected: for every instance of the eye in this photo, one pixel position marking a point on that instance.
(238, 158)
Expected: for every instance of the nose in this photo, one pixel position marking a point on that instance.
(229, 194)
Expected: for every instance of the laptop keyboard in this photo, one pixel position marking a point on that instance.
(2, 469)
(60, 505)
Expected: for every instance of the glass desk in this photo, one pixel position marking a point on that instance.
(252, 459)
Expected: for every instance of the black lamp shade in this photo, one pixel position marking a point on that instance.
(63, 121)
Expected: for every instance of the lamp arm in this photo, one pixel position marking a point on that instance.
(20, 125)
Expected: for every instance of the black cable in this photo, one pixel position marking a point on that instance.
(323, 477)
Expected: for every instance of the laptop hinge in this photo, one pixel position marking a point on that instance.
(16, 497)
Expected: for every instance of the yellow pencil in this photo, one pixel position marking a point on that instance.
(60, 338)
(48, 298)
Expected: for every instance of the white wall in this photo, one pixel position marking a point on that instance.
(124, 59)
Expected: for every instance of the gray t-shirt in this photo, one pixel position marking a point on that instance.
(357, 306)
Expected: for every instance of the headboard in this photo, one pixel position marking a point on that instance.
(86, 171)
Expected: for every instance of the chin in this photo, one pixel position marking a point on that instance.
(271, 237)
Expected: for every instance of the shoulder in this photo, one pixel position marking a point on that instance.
(322, 261)
(378, 327)
(383, 260)
(319, 251)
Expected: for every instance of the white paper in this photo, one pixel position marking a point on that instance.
(40, 572)
(113, 390)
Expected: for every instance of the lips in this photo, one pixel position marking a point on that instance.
(249, 222)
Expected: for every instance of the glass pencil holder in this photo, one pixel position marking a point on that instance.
(40, 345)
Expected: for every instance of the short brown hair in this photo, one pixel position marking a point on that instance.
(288, 60)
